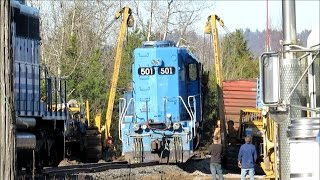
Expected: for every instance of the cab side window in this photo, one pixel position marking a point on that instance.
(192, 72)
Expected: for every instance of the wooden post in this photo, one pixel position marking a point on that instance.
(7, 112)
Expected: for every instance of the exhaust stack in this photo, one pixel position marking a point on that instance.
(288, 77)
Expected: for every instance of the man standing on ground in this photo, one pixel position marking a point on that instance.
(215, 162)
(247, 158)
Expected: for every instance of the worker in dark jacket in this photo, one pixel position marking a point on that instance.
(215, 162)
(247, 158)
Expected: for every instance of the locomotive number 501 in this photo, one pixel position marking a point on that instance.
(166, 70)
(146, 71)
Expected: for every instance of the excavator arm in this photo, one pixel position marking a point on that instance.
(127, 21)
(211, 28)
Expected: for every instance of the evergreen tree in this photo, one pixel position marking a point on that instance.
(237, 60)
(85, 75)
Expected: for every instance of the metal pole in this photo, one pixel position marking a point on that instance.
(267, 27)
(289, 75)
(289, 23)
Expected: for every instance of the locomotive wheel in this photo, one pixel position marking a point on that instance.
(53, 158)
(178, 150)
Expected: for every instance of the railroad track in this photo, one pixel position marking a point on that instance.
(74, 170)
(92, 168)
(98, 167)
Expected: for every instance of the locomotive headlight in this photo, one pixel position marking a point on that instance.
(136, 127)
(169, 116)
(144, 127)
(156, 62)
(176, 126)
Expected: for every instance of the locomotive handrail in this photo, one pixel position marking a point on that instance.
(122, 114)
(193, 118)
(189, 112)
(189, 97)
(126, 109)
(121, 110)
(179, 97)
(194, 98)
(194, 113)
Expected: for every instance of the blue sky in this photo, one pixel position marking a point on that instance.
(252, 14)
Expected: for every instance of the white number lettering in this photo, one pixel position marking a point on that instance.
(146, 71)
(166, 70)
(162, 71)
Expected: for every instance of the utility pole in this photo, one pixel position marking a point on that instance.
(7, 118)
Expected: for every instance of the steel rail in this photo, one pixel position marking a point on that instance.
(92, 168)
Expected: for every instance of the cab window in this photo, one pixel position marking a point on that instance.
(192, 72)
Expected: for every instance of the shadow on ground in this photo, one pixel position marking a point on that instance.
(191, 166)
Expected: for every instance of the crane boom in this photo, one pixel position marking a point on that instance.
(211, 28)
(127, 21)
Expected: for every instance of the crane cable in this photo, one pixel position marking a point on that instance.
(227, 30)
(228, 36)
(111, 23)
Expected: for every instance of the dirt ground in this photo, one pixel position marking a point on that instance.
(190, 177)
(193, 176)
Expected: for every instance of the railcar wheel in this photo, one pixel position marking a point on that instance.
(178, 150)
(53, 158)
(92, 151)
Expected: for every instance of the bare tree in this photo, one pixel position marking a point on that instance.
(180, 15)
(166, 19)
(72, 32)
(150, 20)
(61, 20)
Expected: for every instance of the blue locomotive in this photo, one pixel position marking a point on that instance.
(48, 128)
(160, 114)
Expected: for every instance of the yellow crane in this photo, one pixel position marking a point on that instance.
(127, 21)
(211, 28)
